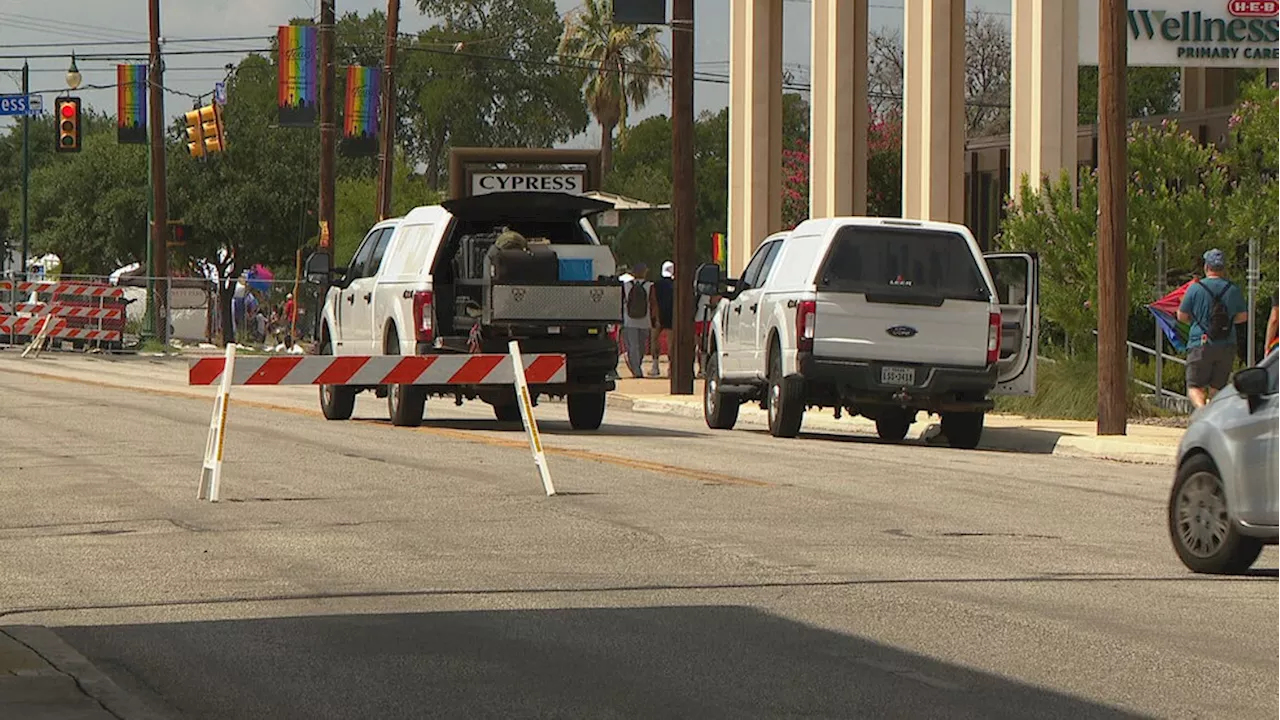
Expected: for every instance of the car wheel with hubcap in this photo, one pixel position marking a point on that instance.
(786, 398)
(337, 402)
(1200, 526)
(719, 410)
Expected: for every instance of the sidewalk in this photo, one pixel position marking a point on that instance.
(1147, 444)
(43, 678)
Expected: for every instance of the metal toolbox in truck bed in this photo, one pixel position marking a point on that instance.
(594, 303)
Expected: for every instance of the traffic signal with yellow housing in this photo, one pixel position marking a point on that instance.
(68, 109)
(204, 131)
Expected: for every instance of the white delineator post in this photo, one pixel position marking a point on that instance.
(211, 471)
(526, 414)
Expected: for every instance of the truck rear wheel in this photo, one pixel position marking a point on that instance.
(786, 398)
(893, 424)
(405, 403)
(507, 412)
(963, 429)
(337, 402)
(586, 410)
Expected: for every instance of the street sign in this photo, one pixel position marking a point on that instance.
(35, 104)
(14, 104)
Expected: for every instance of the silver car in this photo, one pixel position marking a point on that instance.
(1223, 507)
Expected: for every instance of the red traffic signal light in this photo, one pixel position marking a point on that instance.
(68, 125)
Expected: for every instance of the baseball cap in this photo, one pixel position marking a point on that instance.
(1215, 259)
(668, 269)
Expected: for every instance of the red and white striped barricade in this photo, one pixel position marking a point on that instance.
(369, 371)
(86, 312)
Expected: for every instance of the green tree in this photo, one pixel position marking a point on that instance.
(1253, 160)
(1151, 91)
(483, 76)
(623, 64)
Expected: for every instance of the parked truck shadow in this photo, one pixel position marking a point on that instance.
(695, 662)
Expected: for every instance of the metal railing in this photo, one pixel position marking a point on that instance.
(1165, 398)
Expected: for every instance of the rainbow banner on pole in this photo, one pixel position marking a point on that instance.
(131, 104)
(719, 251)
(298, 86)
(360, 110)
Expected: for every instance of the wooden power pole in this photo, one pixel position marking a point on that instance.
(684, 194)
(1113, 290)
(160, 210)
(387, 125)
(327, 127)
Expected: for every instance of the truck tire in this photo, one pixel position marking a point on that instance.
(786, 398)
(507, 412)
(963, 429)
(893, 424)
(719, 410)
(337, 402)
(586, 410)
(405, 403)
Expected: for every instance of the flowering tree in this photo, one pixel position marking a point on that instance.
(884, 172)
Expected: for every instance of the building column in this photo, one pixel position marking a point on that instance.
(838, 109)
(1207, 87)
(1044, 118)
(933, 110)
(755, 126)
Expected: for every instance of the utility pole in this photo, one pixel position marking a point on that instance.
(1113, 290)
(26, 167)
(160, 213)
(386, 142)
(327, 129)
(683, 194)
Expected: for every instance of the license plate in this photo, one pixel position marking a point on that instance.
(898, 376)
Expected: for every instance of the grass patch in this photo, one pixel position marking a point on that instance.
(153, 345)
(1067, 389)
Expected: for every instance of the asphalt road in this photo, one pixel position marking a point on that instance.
(356, 570)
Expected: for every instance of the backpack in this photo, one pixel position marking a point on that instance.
(1219, 327)
(638, 302)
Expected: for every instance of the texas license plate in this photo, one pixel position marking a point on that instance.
(898, 376)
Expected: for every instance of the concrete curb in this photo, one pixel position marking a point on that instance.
(91, 681)
(1119, 450)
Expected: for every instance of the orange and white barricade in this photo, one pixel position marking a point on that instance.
(84, 312)
(369, 371)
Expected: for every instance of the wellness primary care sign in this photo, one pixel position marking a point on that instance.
(1192, 33)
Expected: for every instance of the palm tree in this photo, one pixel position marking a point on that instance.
(624, 64)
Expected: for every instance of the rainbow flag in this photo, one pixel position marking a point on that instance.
(719, 250)
(1165, 311)
(298, 83)
(360, 111)
(131, 104)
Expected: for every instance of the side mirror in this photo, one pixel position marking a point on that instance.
(319, 268)
(708, 279)
(1251, 382)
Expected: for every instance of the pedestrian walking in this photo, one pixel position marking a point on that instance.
(639, 309)
(664, 293)
(1213, 306)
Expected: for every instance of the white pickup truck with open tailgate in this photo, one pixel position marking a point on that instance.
(879, 317)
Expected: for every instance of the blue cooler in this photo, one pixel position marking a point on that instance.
(576, 270)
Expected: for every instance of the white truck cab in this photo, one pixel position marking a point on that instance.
(438, 281)
(875, 316)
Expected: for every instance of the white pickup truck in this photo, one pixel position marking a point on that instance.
(875, 316)
(440, 281)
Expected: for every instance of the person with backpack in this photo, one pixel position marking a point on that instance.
(639, 311)
(1213, 306)
(664, 292)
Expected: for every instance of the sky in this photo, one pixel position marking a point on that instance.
(47, 31)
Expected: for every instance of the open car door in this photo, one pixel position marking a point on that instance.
(1017, 280)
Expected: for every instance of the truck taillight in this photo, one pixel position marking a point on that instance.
(806, 317)
(993, 339)
(422, 329)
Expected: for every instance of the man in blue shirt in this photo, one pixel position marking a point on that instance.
(1209, 359)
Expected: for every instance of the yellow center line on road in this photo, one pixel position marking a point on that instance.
(588, 455)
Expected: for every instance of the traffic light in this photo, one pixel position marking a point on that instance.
(204, 131)
(68, 125)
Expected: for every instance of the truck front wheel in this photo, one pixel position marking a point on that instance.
(719, 410)
(337, 402)
(586, 410)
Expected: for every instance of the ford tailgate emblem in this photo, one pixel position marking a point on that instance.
(902, 331)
